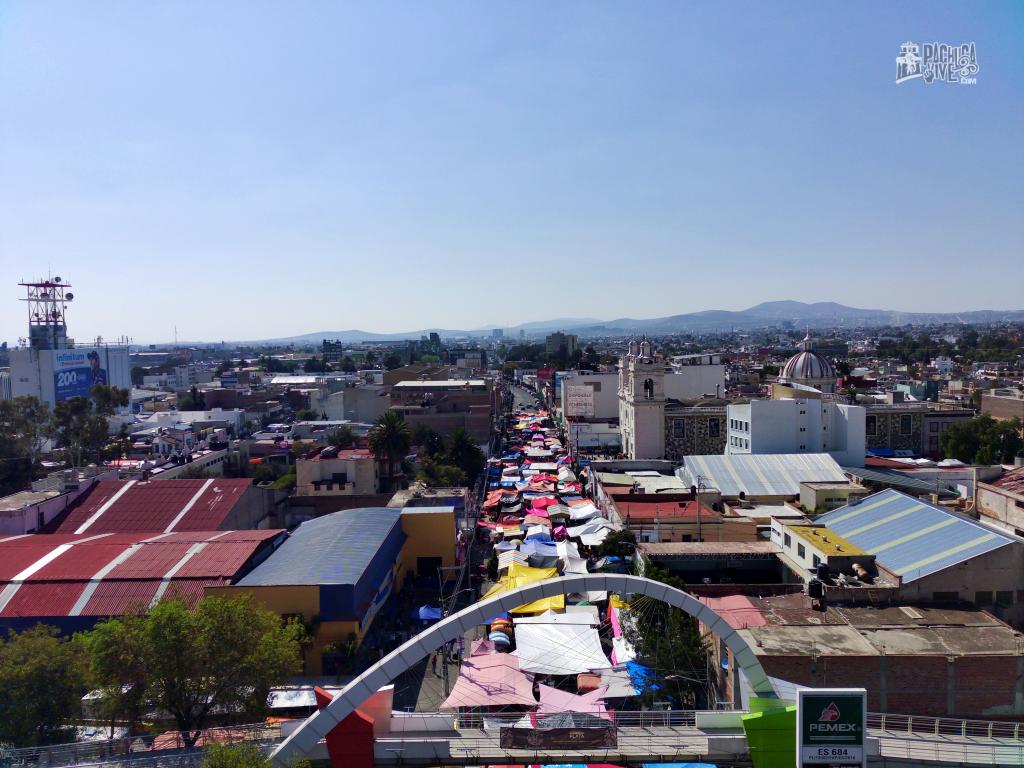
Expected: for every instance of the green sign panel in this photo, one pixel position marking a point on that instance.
(831, 726)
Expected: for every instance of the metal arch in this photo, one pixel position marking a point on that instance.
(318, 725)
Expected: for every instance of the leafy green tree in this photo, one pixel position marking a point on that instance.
(668, 641)
(392, 361)
(430, 442)
(389, 440)
(462, 452)
(42, 682)
(307, 414)
(983, 440)
(223, 657)
(343, 437)
(348, 365)
(618, 543)
(235, 756)
(434, 474)
(79, 430)
(285, 482)
(137, 374)
(316, 365)
(115, 658)
(24, 426)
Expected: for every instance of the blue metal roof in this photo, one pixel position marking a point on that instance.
(910, 537)
(334, 549)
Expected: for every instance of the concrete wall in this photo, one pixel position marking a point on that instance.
(606, 396)
(690, 382)
(1003, 508)
(428, 534)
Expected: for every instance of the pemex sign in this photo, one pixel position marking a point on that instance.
(831, 725)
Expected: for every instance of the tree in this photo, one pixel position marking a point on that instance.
(983, 440)
(106, 400)
(618, 543)
(79, 430)
(235, 756)
(429, 441)
(343, 437)
(462, 452)
(389, 440)
(667, 640)
(307, 414)
(316, 365)
(223, 657)
(392, 361)
(137, 374)
(42, 682)
(348, 365)
(434, 474)
(24, 425)
(114, 650)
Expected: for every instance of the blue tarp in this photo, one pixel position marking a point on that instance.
(427, 613)
(643, 678)
(538, 547)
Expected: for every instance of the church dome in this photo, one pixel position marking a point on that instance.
(809, 368)
(805, 366)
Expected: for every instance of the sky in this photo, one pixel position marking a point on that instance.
(250, 170)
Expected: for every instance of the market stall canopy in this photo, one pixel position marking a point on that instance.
(559, 649)
(491, 681)
(553, 700)
(519, 575)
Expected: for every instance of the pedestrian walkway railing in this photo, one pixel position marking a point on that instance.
(137, 747)
(944, 726)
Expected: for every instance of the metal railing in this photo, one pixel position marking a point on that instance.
(640, 719)
(912, 725)
(139, 747)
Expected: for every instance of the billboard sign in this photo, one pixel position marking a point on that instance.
(831, 726)
(579, 400)
(76, 371)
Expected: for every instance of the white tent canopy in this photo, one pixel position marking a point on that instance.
(559, 649)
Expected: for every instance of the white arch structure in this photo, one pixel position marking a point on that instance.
(319, 724)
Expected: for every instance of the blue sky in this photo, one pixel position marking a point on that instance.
(249, 170)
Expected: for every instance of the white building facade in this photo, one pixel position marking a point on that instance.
(798, 425)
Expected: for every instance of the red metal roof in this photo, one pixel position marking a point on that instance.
(153, 506)
(642, 511)
(188, 561)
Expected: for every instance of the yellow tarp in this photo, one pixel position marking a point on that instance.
(519, 575)
(616, 602)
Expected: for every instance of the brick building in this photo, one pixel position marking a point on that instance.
(694, 427)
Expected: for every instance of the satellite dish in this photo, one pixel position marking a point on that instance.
(69, 296)
(44, 295)
(56, 279)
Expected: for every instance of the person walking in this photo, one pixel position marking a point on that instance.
(433, 663)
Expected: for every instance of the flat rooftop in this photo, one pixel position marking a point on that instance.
(710, 548)
(440, 384)
(22, 499)
(825, 540)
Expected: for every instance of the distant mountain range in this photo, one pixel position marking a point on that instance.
(764, 315)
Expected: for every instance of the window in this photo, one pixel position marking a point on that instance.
(712, 427)
(746, 443)
(803, 413)
(906, 425)
(816, 560)
(1004, 598)
(649, 389)
(679, 428)
(983, 597)
(933, 427)
(803, 429)
(800, 551)
(786, 540)
(870, 425)
(803, 447)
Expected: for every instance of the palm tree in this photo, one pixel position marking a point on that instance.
(465, 454)
(389, 440)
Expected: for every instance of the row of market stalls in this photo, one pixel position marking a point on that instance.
(562, 660)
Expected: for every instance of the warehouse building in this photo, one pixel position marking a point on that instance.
(342, 568)
(770, 478)
(71, 581)
(936, 554)
(164, 506)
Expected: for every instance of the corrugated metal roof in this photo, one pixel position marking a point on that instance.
(896, 479)
(772, 474)
(333, 549)
(104, 575)
(911, 537)
(153, 506)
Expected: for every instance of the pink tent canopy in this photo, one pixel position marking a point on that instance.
(481, 647)
(491, 681)
(554, 700)
(542, 502)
